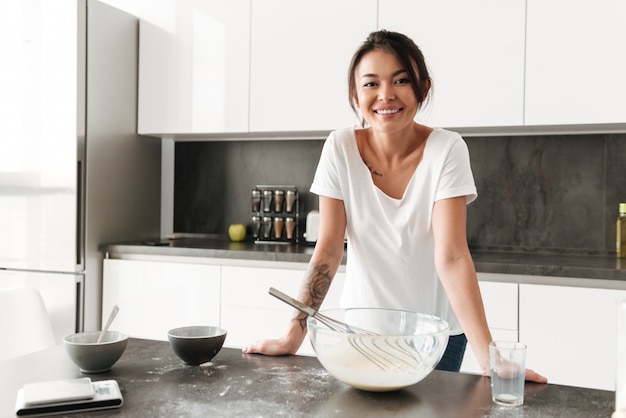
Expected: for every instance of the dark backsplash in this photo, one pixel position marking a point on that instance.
(536, 193)
(213, 180)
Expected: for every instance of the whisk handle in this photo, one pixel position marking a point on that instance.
(291, 301)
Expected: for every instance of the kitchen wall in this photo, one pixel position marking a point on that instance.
(547, 192)
(536, 193)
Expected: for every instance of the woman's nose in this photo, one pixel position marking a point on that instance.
(385, 93)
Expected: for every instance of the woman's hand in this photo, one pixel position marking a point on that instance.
(533, 376)
(288, 344)
(271, 347)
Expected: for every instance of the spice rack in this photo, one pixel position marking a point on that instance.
(275, 214)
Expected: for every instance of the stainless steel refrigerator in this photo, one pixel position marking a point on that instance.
(73, 172)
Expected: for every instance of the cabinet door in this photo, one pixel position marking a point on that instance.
(249, 313)
(155, 297)
(193, 73)
(475, 53)
(500, 300)
(575, 62)
(571, 333)
(300, 53)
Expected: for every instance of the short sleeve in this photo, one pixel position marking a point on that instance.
(326, 181)
(456, 175)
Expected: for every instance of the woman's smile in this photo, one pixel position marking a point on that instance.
(388, 111)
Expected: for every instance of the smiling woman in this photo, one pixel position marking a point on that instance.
(399, 189)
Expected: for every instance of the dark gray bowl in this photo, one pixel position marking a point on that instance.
(91, 356)
(196, 344)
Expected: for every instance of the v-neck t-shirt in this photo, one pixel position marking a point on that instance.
(390, 251)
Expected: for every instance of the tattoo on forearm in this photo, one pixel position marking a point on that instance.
(301, 322)
(317, 286)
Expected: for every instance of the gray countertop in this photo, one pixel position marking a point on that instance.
(155, 383)
(605, 267)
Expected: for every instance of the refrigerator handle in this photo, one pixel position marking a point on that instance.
(80, 303)
(80, 215)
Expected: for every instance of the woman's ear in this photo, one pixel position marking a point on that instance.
(428, 85)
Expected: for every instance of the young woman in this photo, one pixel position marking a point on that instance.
(400, 189)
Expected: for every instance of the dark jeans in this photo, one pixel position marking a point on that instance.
(453, 356)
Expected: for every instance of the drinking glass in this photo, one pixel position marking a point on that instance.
(508, 369)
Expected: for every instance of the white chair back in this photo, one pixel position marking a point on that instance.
(24, 323)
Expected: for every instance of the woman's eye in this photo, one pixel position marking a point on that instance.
(369, 84)
(403, 81)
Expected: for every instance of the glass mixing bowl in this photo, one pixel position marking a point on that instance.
(406, 348)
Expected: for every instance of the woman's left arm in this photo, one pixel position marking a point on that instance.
(458, 276)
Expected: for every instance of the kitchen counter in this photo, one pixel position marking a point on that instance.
(154, 382)
(599, 267)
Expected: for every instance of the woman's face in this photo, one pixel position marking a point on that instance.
(384, 93)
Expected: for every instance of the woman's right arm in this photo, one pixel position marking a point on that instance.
(317, 278)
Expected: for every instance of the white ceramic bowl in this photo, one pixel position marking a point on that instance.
(196, 344)
(91, 356)
(407, 348)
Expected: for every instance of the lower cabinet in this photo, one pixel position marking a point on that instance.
(250, 313)
(571, 333)
(500, 300)
(155, 297)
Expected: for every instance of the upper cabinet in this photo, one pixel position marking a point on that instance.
(194, 69)
(271, 66)
(475, 53)
(300, 53)
(575, 62)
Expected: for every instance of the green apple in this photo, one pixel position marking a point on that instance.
(237, 232)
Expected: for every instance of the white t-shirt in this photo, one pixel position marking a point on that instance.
(390, 253)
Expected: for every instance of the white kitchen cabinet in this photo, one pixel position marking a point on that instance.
(194, 69)
(155, 296)
(501, 308)
(249, 313)
(571, 333)
(575, 62)
(475, 53)
(300, 52)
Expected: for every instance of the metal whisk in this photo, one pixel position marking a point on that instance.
(386, 353)
(331, 323)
